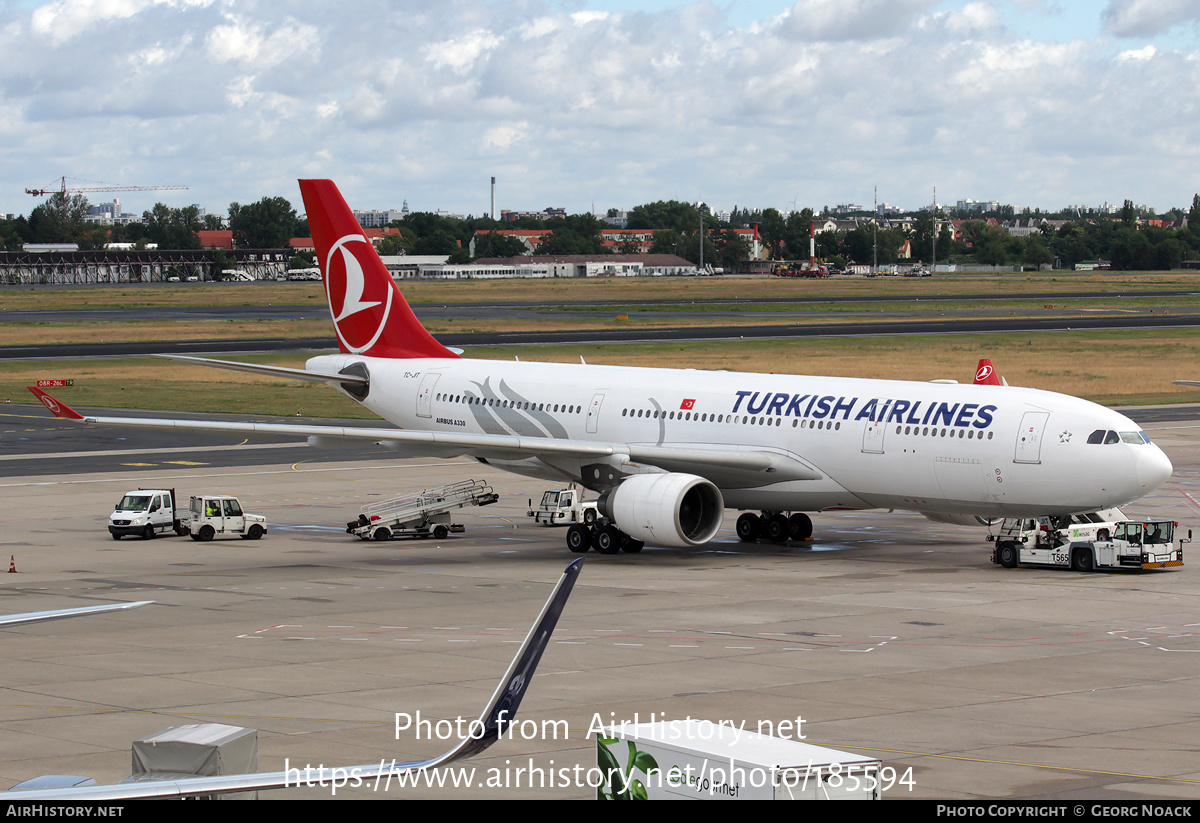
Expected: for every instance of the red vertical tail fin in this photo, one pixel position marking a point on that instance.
(370, 315)
(985, 374)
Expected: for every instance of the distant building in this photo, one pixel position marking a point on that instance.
(216, 238)
(110, 214)
(376, 218)
(551, 213)
(587, 265)
(978, 205)
(1023, 227)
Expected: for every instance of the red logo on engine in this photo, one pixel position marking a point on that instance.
(360, 306)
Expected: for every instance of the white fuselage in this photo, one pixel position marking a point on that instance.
(929, 447)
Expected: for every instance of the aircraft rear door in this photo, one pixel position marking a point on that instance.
(1029, 437)
(425, 394)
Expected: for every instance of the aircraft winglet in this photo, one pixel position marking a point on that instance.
(498, 715)
(56, 407)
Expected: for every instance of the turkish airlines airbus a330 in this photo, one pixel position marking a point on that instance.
(669, 450)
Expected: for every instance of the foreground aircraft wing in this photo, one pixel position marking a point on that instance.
(495, 719)
(778, 465)
(1187, 382)
(59, 614)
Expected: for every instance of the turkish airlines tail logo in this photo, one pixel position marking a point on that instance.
(985, 374)
(370, 315)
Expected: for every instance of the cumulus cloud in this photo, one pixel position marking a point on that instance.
(1144, 18)
(425, 99)
(65, 19)
(851, 19)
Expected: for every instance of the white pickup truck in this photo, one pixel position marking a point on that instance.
(221, 515)
(146, 513)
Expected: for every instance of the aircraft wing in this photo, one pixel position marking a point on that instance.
(497, 716)
(1187, 382)
(778, 465)
(59, 614)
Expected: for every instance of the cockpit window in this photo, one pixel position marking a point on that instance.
(1132, 437)
(1096, 437)
(1112, 437)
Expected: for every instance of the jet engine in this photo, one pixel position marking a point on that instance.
(665, 509)
(960, 519)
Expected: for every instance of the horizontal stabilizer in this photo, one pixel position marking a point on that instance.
(272, 371)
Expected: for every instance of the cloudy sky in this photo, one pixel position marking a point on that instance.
(605, 103)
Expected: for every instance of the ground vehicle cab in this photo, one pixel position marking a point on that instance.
(220, 515)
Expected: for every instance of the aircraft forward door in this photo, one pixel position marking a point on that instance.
(1029, 437)
(873, 434)
(593, 415)
(425, 394)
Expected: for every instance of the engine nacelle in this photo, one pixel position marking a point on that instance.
(959, 519)
(666, 509)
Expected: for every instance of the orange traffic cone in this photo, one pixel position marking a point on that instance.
(12, 564)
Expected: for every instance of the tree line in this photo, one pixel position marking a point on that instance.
(676, 226)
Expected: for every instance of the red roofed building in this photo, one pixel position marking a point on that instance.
(216, 239)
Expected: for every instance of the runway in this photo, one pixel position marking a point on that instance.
(890, 635)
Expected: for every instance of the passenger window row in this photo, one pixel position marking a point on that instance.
(926, 431)
(471, 400)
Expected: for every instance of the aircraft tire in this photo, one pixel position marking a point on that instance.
(801, 526)
(633, 546)
(579, 539)
(747, 527)
(1007, 554)
(607, 540)
(778, 529)
(589, 517)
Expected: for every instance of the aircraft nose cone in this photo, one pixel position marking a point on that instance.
(1153, 468)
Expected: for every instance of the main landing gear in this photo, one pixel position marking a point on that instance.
(603, 537)
(777, 527)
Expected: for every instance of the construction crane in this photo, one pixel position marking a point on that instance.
(89, 189)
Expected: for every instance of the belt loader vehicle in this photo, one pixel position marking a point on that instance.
(425, 514)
